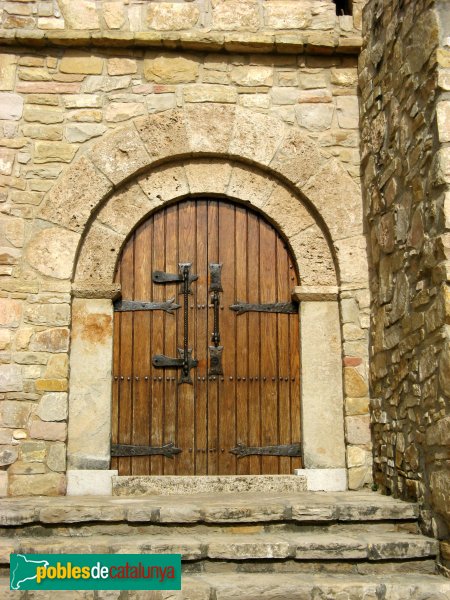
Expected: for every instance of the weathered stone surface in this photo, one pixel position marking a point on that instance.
(122, 66)
(10, 378)
(208, 176)
(210, 93)
(48, 484)
(347, 112)
(99, 255)
(11, 106)
(252, 75)
(314, 117)
(314, 258)
(8, 455)
(52, 407)
(81, 132)
(76, 194)
(10, 312)
(236, 16)
(56, 459)
(126, 208)
(43, 430)
(120, 154)
(114, 14)
(358, 429)
(7, 71)
(355, 384)
(295, 15)
(256, 136)
(53, 152)
(14, 413)
(168, 16)
(164, 134)
(48, 314)
(50, 340)
(47, 244)
(297, 158)
(209, 128)
(165, 183)
(122, 111)
(33, 451)
(169, 68)
(286, 210)
(42, 114)
(81, 62)
(249, 185)
(79, 15)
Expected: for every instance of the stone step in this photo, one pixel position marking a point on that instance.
(170, 485)
(195, 547)
(274, 586)
(301, 507)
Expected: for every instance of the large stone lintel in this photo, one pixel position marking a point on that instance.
(315, 293)
(264, 41)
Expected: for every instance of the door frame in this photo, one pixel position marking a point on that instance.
(321, 345)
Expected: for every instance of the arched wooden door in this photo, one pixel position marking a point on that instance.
(252, 407)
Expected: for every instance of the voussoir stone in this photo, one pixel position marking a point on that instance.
(120, 155)
(209, 127)
(298, 158)
(208, 175)
(78, 191)
(164, 134)
(165, 183)
(98, 257)
(256, 136)
(126, 208)
(51, 242)
(286, 210)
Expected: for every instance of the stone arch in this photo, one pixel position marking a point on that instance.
(251, 157)
(215, 130)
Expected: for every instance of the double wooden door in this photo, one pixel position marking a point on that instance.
(240, 414)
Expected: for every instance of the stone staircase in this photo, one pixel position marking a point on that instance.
(249, 546)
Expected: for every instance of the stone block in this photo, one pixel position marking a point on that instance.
(209, 127)
(51, 385)
(347, 112)
(164, 134)
(171, 69)
(10, 312)
(11, 107)
(249, 185)
(46, 430)
(3, 484)
(159, 102)
(90, 482)
(114, 14)
(47, 314)
(358, 477)
(256, 136)
(14, 413)
(203, 92)
(168, 16)
(165, 183)
(53, 407)
(8, 455)
(285, 210)
(356, 406)
(56, 459)
(45, 152)
(358, 429)
(33, 451)
(77, 61)
(123, 111)
(73, 197)
(120, 154)
(208, 176)
(7, 156)
(48, 484)
(42, 114)
(79, 15)
(95, 262)
(47, 244)
(50, 340)
(7, 71)
(324, 480)
(314, 117)
(121, 66)
(43, 132)
(81, 132)
(298, 158)
(57, 366)
(10, 378)
(252, 75)
(236, 16)
(83, 101)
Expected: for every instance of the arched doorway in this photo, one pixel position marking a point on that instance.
(234, 406)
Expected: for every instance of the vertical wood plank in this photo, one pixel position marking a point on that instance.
(214, 387)
(171, 337)
(141, 345)
(159, 375)
(241, 339)
(269, 350)
(116, 381)
(295, 385)
(227, 403)
(186, 393)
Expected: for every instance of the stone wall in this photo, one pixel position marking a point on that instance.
(61, 93)
(404, 80)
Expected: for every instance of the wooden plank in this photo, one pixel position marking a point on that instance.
(158, 293)
(126, 357)
(241, 339)
(284, 405)
(171, 337)
(141, 346)
(269, 351)
(227, 403)
(254, 337)
(214, 387)
(202, 338)
(115, 382)
(295, 386)
(186, 392)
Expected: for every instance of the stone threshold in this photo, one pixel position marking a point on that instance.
(264, 42)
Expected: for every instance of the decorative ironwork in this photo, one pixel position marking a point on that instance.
(215, 352)
(185, 362)
(287, 450)
(276, 307)
(166, 278)
(168, 450)
(169, 306)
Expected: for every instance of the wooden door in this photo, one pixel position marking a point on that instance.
(253, 407)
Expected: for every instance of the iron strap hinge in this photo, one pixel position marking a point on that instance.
(168, 450)
(169, 306)
(282, 450)
(276, 307)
